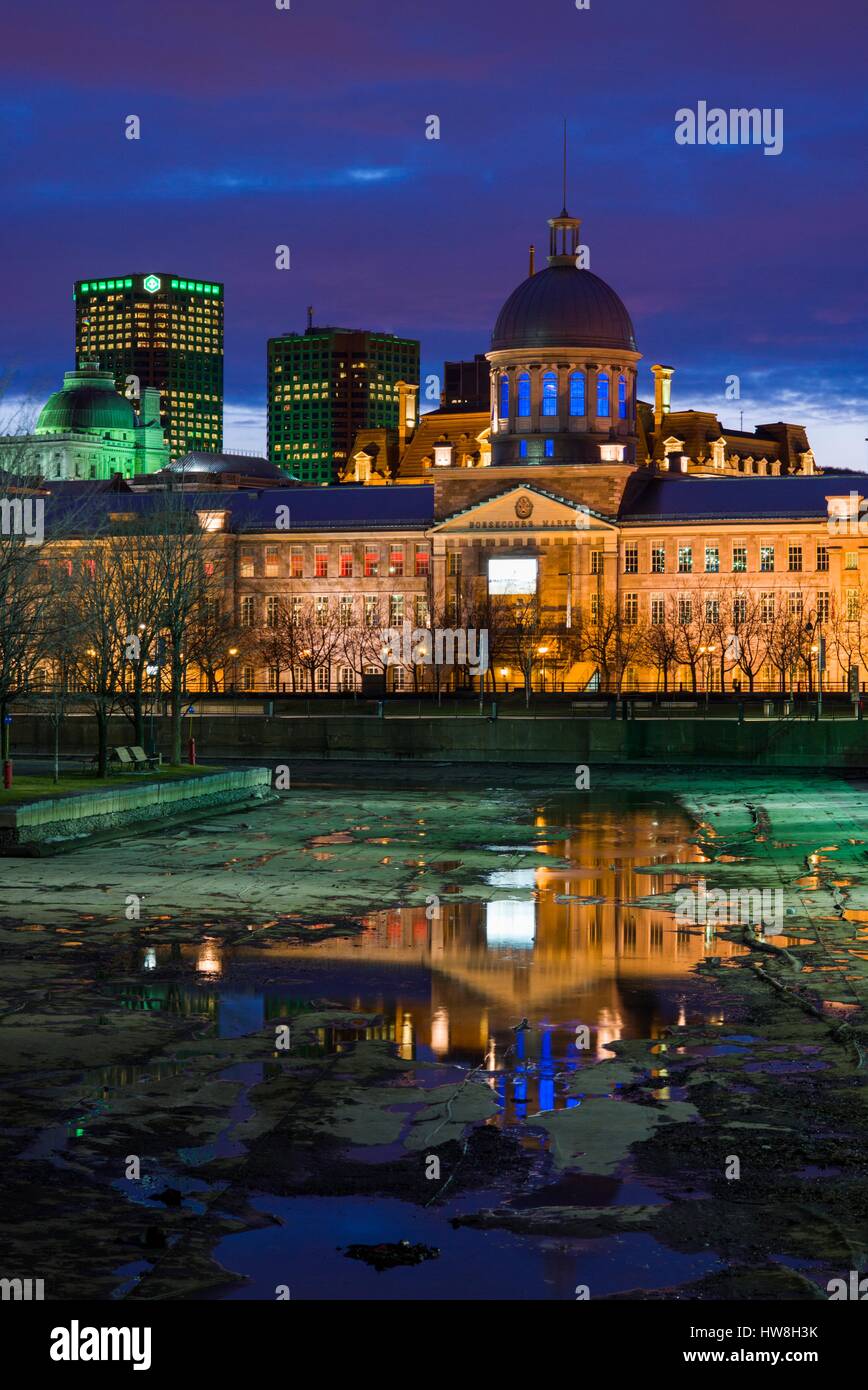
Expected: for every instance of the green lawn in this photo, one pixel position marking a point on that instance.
(74, 783)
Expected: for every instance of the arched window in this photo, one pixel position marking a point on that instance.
(602, 393)
(504, 397)
(622, 397)
(577, 393)
(524, 395)
(550, 393)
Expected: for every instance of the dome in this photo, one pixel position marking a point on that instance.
(201, 465)
(563, 307)
(88, 401)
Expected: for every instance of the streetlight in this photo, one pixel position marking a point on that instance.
(708, 653)
(543, 651)
(818, 648)
(233, 652)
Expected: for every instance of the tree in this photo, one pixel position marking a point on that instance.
(32, 607)
(187, 564)
(96, 606)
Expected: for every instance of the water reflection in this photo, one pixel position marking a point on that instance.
(560, 945)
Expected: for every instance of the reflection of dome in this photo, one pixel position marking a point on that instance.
(88, 400)
(563, 307)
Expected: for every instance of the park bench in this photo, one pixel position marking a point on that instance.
(141, 759)
(120, 760)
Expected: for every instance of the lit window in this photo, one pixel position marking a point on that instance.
(504, 397)
(622, 398)
(421, 560)
(550, 449)
(602, 394)
(631, 559)
(524, 395)
(321, 562)
(550, 394)
(712, 559)
(851, 559)
(685, 559)
(794, 560)
(658, 559)
(577, 393)
(739, 559)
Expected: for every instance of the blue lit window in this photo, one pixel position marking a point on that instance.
(550, 448)
(622, 398)
(504, 397)
(577, 393)
(550, 393)
(522, 449)
(524, 394)
(602, 394)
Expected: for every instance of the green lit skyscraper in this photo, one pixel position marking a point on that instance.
(163, 331)
(327, 384)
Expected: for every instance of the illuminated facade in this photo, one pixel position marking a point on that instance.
(328, 384)
(87, 431)
(630, 546)
(162, 331)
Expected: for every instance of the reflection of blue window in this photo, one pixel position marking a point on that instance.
(622, 398)
(524, 394)
(504, 397)
(577, 393)
(550, 394)
(522, 449)
(602, 394)
(550, 448)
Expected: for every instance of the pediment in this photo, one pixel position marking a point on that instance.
(525, 508)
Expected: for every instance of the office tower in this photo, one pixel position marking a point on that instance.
(324, 386)
(159, 331)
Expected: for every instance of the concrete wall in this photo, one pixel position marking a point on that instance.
(672, 742)
(60, 818)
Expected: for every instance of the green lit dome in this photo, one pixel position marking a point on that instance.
(87, 401)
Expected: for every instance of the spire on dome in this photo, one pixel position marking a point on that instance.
(564, 230)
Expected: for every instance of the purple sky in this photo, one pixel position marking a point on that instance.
(307, 127)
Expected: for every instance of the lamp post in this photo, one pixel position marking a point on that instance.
(818, 648)
(543, 651)
(708, 653)
(233, 652)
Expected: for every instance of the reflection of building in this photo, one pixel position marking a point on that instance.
(87, 430)
(328, 385)
(165, 332)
